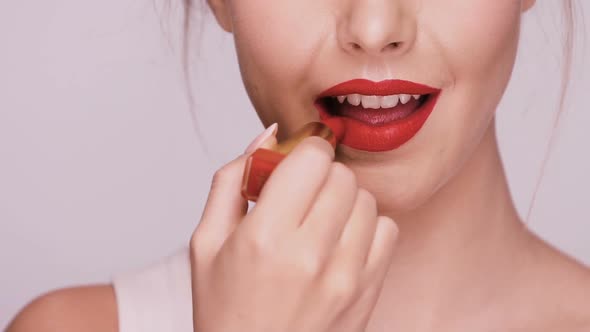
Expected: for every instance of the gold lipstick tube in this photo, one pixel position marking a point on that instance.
(262, 162)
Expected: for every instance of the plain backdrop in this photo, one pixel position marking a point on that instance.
(101, 170)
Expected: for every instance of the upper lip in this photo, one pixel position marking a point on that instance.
(383, 88)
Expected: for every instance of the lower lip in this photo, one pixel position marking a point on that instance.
(382, 137)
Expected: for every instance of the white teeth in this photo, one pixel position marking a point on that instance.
(354, 99)
(371, 102)
(389, 101)
(405, 98)
(376, 102)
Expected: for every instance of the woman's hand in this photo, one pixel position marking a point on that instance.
(310, 256)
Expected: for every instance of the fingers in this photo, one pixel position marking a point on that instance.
(225, 205)
(293, 186)
(357, 237)
(382, 248)
(331, 210)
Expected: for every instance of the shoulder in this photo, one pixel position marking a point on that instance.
(157, 297)
(80, 309)
(567, 292)
(580, 300)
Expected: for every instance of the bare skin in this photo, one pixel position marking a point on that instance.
(463, 259)
(91, 308)
(522, 285)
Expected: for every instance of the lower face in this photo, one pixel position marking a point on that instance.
(414, 111)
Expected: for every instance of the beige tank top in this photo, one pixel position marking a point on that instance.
(156, 298)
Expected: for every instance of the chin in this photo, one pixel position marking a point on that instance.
(396, 194)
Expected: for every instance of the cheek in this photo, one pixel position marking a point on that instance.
(478, 52)
(275, 44)
(479, 48)
(480, 41)
(274, 39)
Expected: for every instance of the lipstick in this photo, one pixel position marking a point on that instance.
(262, 162)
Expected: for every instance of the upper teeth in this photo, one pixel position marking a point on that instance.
(376, 102)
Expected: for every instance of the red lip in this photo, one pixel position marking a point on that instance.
(380, 137)
(383, 88)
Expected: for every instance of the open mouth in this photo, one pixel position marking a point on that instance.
(373, 110)
(378, 116)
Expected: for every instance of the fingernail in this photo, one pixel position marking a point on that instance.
(268, 132)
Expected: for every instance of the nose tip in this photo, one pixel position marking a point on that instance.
(380, 48)
(376, 28)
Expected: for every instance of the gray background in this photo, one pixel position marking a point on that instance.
(101, 171)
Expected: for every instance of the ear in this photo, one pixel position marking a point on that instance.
(527, 4)
(220, 9)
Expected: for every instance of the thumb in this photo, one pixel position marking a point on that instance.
(225, 205)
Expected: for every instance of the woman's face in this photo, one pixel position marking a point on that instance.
(291, 51)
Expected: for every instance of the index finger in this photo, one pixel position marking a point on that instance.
(294, 185)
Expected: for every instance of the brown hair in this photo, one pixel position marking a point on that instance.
(187, 33)
(567, 60)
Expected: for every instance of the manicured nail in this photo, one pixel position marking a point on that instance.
(268, 132)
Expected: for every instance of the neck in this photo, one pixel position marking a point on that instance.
(454, 253)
